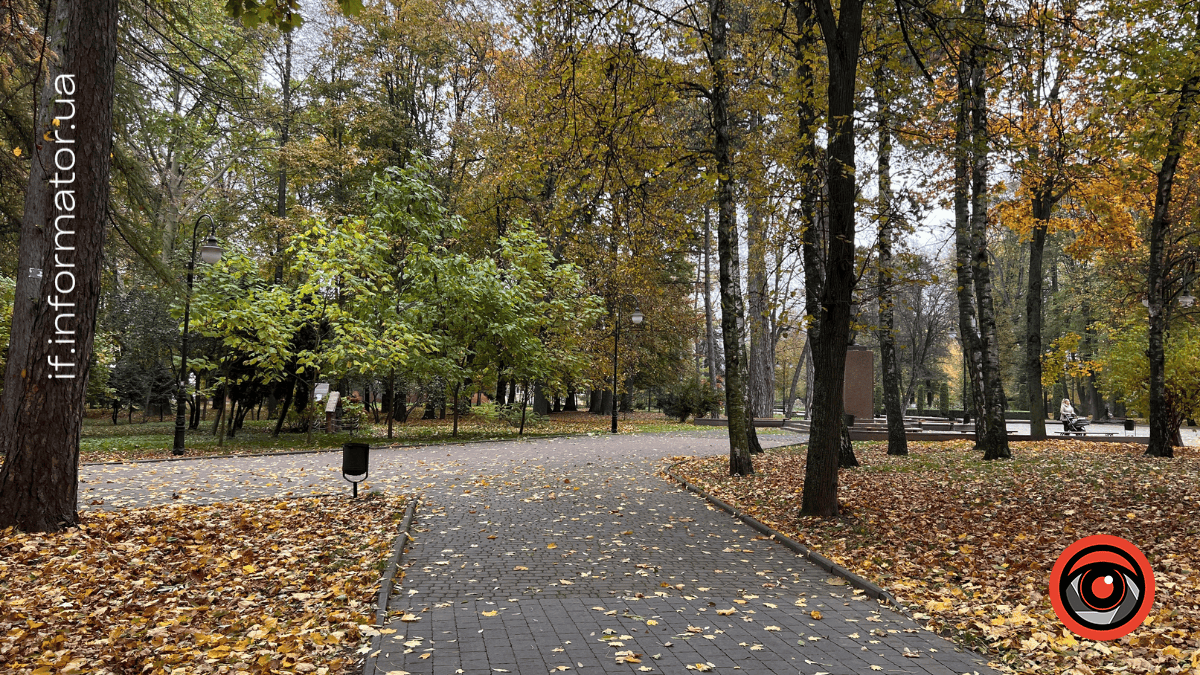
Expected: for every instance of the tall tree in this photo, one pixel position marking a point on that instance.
(842, 32)
(888, 364)
(1161, 432)
(727, 240)
(994, 437)
(62, 237)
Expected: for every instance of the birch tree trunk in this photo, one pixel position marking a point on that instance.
(762, 346)
(708, 308)
(889, 367)
(994, 438)
(967, 331)
(727, 246)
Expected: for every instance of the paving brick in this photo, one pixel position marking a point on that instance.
(624, 539)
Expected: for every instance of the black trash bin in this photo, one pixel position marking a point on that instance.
(355, 459)
(1130, 425)
(849, 419)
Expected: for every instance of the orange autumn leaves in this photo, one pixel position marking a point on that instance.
(968, 545)
(255, 586)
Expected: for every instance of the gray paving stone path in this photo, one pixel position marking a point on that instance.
(577, 554)
(561, 555)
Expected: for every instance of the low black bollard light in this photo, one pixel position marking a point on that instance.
(355, 458)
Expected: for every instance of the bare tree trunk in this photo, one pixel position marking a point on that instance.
(789, 404)
(811, 238)
(842, 38)
(284, 133)
(54, 311)
(391, 400)
(995, 433)
(727, 244)
(967, 329)
(889, 367)
(708, 308)
(524, 403)
(1164, 425)
(1033, 320)
(287, 404)
(454, 432)
(762, 347)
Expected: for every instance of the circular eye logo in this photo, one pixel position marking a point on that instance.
(1102, 587)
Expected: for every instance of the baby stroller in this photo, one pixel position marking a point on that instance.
(1074, 424)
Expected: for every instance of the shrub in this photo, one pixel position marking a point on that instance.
(689, 399)
(944, 400)
(509, 414)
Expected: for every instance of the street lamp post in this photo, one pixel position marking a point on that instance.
(636, 317)
(209, 253)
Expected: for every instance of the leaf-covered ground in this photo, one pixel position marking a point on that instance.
(244, 587)
(969, 545)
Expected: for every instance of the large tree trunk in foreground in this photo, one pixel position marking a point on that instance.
(842, 36)
(888, 364)
(54, 314)
(1164, 425)
(727, 247)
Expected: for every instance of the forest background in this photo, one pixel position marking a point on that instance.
(427, 200)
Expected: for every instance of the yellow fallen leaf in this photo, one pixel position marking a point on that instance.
(773, 629)
(651, 622)
(520, 568)
(491, 613)
(815, 614)
(410, 618)
(17, 152)
(876, 667)
(552, 545)
(726, 612)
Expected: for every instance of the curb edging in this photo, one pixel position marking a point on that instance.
(385, 586)
(870, 589)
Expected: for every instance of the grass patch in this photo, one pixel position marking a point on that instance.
(105, 442)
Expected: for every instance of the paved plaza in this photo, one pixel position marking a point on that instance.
(575, 554)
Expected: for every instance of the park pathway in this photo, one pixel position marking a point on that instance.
(575, 554)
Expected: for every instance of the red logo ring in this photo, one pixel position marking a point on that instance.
(1102, 587)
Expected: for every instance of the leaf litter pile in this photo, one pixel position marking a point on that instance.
(968, 545)
(244, 587)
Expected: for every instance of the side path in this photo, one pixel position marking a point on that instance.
(580, 556)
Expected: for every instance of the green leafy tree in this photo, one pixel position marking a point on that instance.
(1126, 373)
